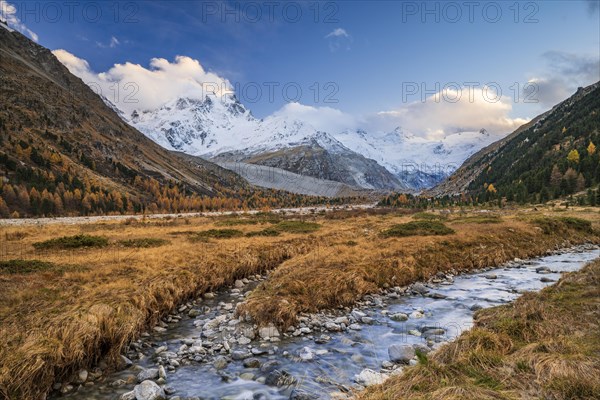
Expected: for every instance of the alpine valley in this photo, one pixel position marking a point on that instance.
(223, 130)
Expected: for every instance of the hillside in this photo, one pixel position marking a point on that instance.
(63, 151)
(553, 155)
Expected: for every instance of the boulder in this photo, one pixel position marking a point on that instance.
(148, 390)
(401, 353)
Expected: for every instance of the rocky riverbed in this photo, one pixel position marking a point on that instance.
(205, 351)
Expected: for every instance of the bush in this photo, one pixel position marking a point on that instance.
(73, 242)
(429, 216)
(217, 234)
(296, 227)
(264, 232)
(551, 225)
(144, 242)
(417, 228)
(24, 266)
(479, 219)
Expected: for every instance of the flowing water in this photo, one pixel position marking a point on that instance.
(323, 363)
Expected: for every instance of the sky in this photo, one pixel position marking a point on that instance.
(432, 68)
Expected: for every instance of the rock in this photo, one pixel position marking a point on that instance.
(332, 327)
(280, 378)
(220, 363)
(124, 363)
(367, 320)
(159, 329)
(150, 373)
(193, 313)
(322, 339)
(476, 307)
(268, 332)
(355, 327)
(239, 355)
(341, 320)
(238, 284)
(438, 296)
(299, 394)
(128, 396)
(160, 349)
(547, 280)
(82, 376)
(491, 276)
(148, 390)
(543, 270)
(368, 377)
(357, 315)
(209, 295)
(401, 353)
(400, 317)
(416, 315)
(252, 363)
(414, 332)
(306, 354)
(244, 341)
(161, 372)
(419, 288)
(247, 376)
(249, 333)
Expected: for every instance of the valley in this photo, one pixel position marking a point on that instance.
(368, 229)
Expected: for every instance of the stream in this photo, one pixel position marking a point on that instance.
(204, 352)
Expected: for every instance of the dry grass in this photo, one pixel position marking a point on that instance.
(89, 303)
(335, 274)
(545, 345)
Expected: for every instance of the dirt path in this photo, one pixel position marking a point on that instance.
(106, 218)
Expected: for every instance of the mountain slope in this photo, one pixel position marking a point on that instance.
(538, 159)
(58, 137)
(224, 130)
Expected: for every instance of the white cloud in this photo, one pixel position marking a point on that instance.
(339, 39)
(141, 88)
(338, 32)
(114, 42)
(432, 119)
(450, 111)
(325, 119)
(8, 12)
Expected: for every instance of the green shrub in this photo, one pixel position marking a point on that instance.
(30, 266)
(479, 219)
(296, 226)
(264, 232)
(417, 228)
(24, 266)
(429, 216)
(555, 225)
(217, 234)
(144, 242)
(73, 242)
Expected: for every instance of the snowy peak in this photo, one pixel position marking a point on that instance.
(222, 127)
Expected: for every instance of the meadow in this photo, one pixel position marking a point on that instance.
(74, 295)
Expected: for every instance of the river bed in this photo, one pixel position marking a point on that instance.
(204, 352)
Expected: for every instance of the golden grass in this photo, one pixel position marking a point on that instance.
(545, 345)
(57, 320)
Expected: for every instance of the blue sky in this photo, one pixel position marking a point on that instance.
(370, 51)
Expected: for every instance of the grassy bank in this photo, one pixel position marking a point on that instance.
(73, 295)
(545, 345)
(386, 253)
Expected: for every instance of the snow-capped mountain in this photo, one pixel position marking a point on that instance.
(223, 129)
(417, 161)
